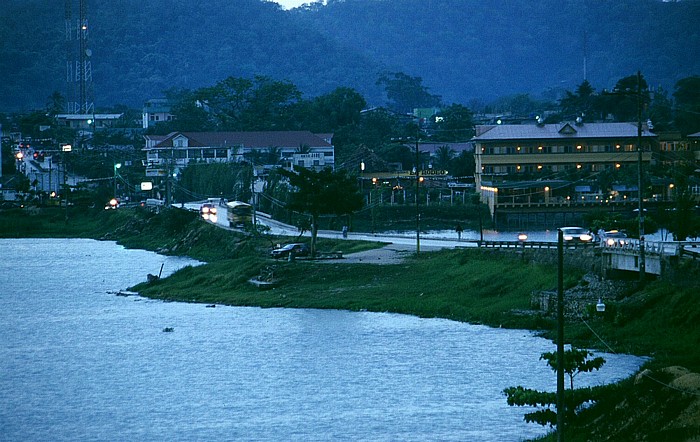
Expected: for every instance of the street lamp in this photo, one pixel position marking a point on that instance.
(116, 166)
(362, 177)
(560, 336)
(418, 180)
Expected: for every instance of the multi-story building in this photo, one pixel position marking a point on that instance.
(554, 164)
(287, 149)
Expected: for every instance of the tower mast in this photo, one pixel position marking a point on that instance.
(78, 63)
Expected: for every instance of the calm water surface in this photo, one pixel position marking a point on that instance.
(78, 362)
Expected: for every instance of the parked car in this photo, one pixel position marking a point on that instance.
(613, 238)
(295, 249)
(576, 234)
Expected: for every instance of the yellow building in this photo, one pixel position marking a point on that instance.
(554, 164)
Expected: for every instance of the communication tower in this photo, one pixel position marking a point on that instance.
(78, 64)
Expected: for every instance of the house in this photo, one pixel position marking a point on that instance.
(285, 148)
(88, 122)
(156, 110)
(554, 163)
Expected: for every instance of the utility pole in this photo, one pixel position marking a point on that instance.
(417, 191)
(561, 406)
(640, 180)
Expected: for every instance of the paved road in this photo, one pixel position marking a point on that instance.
(398, 246)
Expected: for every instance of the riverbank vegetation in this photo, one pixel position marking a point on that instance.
(479, 286)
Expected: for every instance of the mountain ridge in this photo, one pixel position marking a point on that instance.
(464, 50)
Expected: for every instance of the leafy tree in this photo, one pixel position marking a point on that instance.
(322, 193)
(687, 96)
(339, 108)
(464, 165)
(455, 123)
(622, 102)
(55, 104)
(444, 156)
(575, 362)
(683, 223)
(271, 105)
(581, 103)
(405, 93)
(661, 111)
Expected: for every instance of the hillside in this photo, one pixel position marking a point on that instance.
(463, 49)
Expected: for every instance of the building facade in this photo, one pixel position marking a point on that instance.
(274, 148)
(554, 164)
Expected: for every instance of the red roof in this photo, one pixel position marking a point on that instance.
(292, 139)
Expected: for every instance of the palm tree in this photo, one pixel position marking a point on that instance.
(303, 148)
(444, 156)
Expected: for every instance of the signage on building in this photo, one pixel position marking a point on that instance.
(155, 172)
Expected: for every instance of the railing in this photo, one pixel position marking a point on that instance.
(533, 244)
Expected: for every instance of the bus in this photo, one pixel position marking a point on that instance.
(239, 214)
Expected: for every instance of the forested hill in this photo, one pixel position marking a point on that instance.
(488, 48)
(462, 49)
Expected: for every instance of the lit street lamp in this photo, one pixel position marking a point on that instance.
(116, 166)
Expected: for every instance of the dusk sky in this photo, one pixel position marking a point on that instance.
(289, 4)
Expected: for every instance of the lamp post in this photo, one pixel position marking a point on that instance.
(561, 407)
(116, 166)
(417, 191)
(642, 257)
(362, 178)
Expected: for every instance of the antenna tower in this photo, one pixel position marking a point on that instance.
(78, 64)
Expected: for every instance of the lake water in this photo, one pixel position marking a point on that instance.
(78, 362)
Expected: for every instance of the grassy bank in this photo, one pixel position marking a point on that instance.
(479, 286)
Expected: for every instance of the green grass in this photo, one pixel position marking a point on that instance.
(464, 285)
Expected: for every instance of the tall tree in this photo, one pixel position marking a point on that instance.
(622, 102)
(322, 193)
(582, 103)
(405, 93)
(455, 123)
(687, 96)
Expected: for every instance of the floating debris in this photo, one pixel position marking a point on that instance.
(211, 306)
(168, 329)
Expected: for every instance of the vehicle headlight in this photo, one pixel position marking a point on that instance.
(586, 237)
(610, 242)
(568, 237)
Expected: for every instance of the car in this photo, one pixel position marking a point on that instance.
(295, 249)
(576, 234)
(613, 238)
(208, 209)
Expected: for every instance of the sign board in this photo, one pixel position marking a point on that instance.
(155, 172)
(146, 185)
(66, 147)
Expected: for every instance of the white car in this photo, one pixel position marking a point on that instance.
(614, 238)
(576, 234)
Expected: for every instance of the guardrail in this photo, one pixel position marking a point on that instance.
(532, 244)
